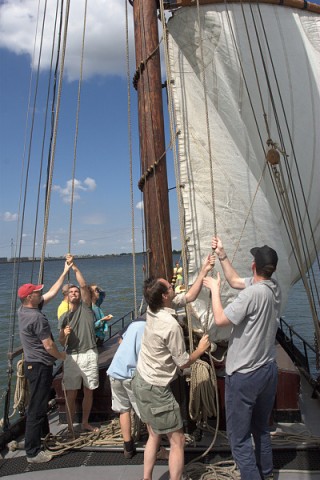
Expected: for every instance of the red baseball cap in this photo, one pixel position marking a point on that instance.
(27, 289)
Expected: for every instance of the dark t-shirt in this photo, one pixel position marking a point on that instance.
(82, 337)
(33, 328)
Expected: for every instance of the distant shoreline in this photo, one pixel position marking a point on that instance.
(5, 260)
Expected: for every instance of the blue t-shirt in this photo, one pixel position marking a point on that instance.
(125, 359)
(100, 328)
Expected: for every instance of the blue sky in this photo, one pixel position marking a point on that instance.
(102, 208)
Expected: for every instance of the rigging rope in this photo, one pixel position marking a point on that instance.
(77, 124)
(31, 137)
(54, 135)
(286, 212)
(203, 401)
(130, 166)
(45, 128)
(283, 191)
(21, 215)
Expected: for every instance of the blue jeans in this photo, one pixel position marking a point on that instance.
(249, 402)
(37, 425)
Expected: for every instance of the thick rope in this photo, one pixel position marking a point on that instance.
(54, 135)
(217, 471)
(203, 383)
(109, 434)
(202, 392)
(77, 125)
(21, 395)
(173, 143)
(131, 166)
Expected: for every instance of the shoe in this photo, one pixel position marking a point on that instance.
(42, 457)
(129, 453)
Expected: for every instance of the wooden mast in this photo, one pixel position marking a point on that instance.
(154, 183)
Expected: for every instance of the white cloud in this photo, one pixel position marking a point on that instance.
(94, 219)
(104, 42)
(81, 242)
(90, 183)
(65, 193)
(139, 205)
(9, 217)
(53, 241)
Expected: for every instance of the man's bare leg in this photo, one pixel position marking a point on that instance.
(125, 425)
(86, 408)
(176, 455)
(150, 453)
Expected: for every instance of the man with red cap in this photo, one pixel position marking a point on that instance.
(40, 353)
(251, 370)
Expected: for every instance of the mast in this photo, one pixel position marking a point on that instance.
(153, 183)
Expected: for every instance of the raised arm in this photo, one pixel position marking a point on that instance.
(85, 290)
(232, 276)
(220, 319)
(50, 294)
(194, 291)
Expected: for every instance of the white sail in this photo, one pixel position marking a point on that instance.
(245, 204)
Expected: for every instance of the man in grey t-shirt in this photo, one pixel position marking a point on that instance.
(78, 335)
(251, 380)
(40, 353)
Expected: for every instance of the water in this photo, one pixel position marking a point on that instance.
(114, 275)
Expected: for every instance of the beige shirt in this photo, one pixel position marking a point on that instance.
(163, 350)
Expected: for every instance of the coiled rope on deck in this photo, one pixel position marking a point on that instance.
(21, 394)
(226, 469)
(108, 435)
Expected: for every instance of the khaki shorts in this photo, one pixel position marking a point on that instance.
(157, 406)
(123, 399)
(81, 368)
